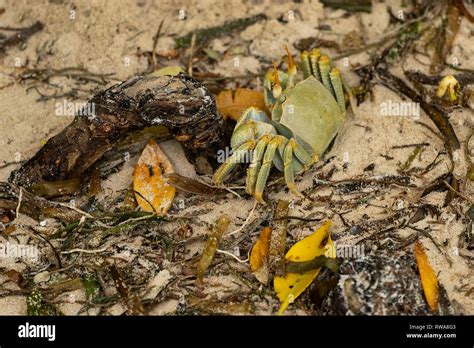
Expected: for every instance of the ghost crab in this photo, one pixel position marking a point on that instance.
(305, 118)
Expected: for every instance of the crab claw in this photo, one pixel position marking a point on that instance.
(276, 89)
(291, 68)
(291, 63)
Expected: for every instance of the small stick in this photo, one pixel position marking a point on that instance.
(191, 55)
(232, 255)
(245, 222)
(409, 145)
(21, 36)
(155, 41)
(85, 251)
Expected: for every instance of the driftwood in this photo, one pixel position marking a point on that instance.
(179, 103)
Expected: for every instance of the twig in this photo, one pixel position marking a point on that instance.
(7, 164)
(435, 133)
(155, 41)
(136, 219)
(291, 217)
(232, 255)
(55, 252)
(191, 55)
(457, 192)
(410, 145)
(21, 36)
(86, 214)
(20, 197)
(460, 5)
(349, 5)
(246, 221)
(85, 251)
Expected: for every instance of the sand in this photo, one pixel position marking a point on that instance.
(104, 37)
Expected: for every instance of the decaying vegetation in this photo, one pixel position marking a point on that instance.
(106, 256)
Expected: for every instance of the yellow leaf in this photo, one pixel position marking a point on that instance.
(259, 256)
(290, 286)
(448, 84)
(234, 106)
(429, 281)
(167, 70)
(152, 191)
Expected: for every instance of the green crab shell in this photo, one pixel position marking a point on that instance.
(311, 113)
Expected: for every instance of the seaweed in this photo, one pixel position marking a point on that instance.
(36, 305)
(349, 5)
(21, 35)
(202, 36)
(317, 262)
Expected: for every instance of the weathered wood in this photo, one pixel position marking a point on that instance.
(180, 103)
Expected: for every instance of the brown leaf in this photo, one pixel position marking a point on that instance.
(17, 278)
(189, 185)
(234, 106)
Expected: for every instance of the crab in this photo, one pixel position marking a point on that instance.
(305, 118)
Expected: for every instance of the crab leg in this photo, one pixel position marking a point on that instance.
(265, 168)
(288, 168)
(313, 59)
(338, 89)
(304, 157)
(291, 69)
(305, 64)
(254, 168)
(324, 68)
(226, 168)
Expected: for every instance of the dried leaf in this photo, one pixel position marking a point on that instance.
(131, 300)
(429, 281)
(17, 278)
(152, 191)
(278, 240)
(167, 71)
(450, 86)
(259, 256)
(290, 286)
(212, 54)
(211, 246)
(234, 106)
(189, 185)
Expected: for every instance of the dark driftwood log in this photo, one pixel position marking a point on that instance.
(180, 103)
